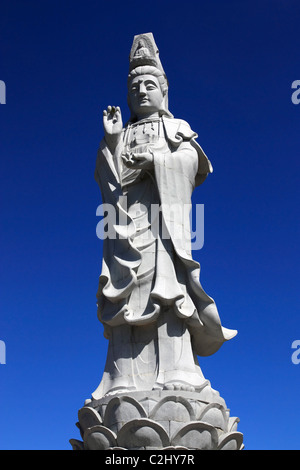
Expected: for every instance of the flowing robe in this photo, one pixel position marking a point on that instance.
(149, 291)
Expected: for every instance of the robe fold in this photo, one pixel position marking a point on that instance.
(147, 268)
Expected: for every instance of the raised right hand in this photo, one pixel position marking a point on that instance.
(112, 121)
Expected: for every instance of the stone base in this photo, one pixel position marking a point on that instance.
(158, 420)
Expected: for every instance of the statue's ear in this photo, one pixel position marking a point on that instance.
(132, 116)
(165, 105)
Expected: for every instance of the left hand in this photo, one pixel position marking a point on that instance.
(138, 160)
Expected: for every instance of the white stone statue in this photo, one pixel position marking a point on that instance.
(155, 312)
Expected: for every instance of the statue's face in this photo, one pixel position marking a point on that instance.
(145, 95)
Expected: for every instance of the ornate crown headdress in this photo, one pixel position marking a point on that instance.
(144, 51)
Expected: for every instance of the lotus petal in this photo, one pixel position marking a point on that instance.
(173, 408)
(80, 428)
(117, 448)
(175, 448)
(88, 417)
(231, 441)
(196, 435)
(121, 410)
(76, 445)
(233, 423)
(99, 438)
(214, 414)
(143, 433)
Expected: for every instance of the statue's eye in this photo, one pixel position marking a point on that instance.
(150, 85)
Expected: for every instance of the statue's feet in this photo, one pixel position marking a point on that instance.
(179, 386)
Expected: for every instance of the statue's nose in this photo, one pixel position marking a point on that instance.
(142, 90)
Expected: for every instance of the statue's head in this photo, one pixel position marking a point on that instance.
(147, 82)
(147, 92)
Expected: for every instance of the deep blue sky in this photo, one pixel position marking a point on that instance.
(230, 66)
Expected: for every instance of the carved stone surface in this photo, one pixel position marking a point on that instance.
(158, 420)
(156, 315)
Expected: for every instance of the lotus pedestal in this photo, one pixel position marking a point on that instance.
(160, 420)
